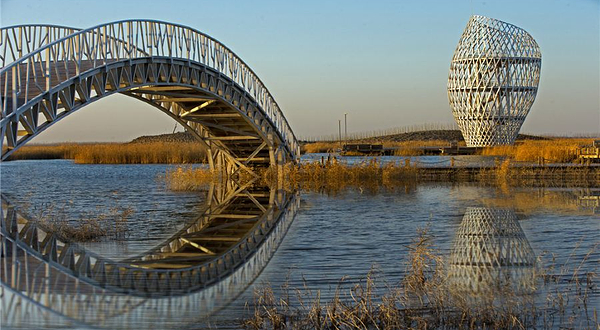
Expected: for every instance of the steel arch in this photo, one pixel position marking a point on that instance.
(178, 69)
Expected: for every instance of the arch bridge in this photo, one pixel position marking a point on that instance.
(49, 72)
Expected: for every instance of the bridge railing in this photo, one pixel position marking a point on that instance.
(30, 76)
(20, 40)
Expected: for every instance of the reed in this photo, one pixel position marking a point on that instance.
(187, 178)
(559, 150)
(117, 153)
(321, 147)
(140, 153)
(424, 300)
(413, 148)
(90, 227)
(51, 151)
(332, 176)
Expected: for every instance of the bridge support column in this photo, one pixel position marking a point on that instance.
(280, 170)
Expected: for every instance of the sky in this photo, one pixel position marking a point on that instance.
(385, 63)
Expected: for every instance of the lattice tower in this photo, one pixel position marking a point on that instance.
(493, 81)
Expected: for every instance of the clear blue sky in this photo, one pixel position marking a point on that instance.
(383, 62)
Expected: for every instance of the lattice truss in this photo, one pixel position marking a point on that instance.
(493, 81)
(49, 72)
(491, 252)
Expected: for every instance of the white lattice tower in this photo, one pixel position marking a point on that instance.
(491, 252)
(493, 80)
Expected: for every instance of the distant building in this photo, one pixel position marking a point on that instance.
(493, 80)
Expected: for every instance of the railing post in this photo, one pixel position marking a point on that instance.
(15, 92)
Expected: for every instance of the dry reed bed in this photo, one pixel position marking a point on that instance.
(555, 151)
(560, 150)
(424, 299)
(333, 176)
(53, 151)
(117, 153)
(110, 223)
(188, 178)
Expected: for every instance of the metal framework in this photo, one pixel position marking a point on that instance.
(490, 253)
(493, 81)
(47, 280)
(48, 72)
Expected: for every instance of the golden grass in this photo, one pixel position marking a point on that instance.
(186, 178)
(117, 153)
(412, 148)
(559, 150)
(140, 153)
(333, 176)
(562, 150)
(320, 147)
(425, 299)
(112, 223)
(53, 151)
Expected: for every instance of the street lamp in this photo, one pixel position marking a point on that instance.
(345, 127)
(340, 131)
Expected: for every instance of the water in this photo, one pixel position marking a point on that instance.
(332, 237)
(74, 191)
(421, 161)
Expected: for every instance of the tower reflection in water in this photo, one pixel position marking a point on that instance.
(47, 281)
(491, 256)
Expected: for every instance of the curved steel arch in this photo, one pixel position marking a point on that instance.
(191, 76)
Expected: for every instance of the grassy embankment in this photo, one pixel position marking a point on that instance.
(117, 153)
(426, 299)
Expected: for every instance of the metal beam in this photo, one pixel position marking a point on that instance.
(232, 138)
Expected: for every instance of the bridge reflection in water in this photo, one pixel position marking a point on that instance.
(48, 282)
(491, 256)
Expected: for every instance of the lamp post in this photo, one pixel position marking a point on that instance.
(340, 131)
(345, 127)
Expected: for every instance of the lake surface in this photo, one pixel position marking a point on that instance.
(421, 161)
(332, 236)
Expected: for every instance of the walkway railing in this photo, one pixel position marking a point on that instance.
(20, 40)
